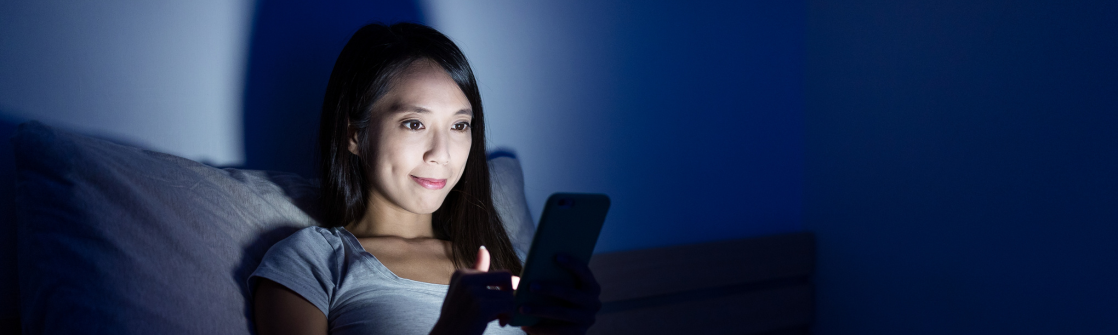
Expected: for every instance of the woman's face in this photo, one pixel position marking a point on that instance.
(421, 133)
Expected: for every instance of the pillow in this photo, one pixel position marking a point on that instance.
(507, 182)
(119, 240)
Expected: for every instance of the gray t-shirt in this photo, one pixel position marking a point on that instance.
(358, 294)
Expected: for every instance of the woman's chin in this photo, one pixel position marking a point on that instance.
(428, 205)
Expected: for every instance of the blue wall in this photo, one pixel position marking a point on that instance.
(962, 166)
(705, 139)
(690, 117)
(166, 75)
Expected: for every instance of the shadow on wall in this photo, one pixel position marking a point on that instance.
(293, 47)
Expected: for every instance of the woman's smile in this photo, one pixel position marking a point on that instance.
(430, 183)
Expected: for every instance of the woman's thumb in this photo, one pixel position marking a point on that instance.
(482, 263)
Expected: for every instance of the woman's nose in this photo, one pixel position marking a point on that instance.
(439, 150)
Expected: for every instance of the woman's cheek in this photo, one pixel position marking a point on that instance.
(463, 150)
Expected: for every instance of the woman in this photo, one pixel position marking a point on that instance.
(410, 243)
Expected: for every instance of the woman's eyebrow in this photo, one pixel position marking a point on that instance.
(421, 110)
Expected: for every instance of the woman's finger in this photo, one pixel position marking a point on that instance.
(564, 329)
(571, 315)
(582, 272)
(500, 295)
(583, 299)
(473, 277)
(495, 284)
(482, 263)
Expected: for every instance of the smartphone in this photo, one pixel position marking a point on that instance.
(570, 224)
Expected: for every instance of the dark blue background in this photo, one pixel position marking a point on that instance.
(962, 166)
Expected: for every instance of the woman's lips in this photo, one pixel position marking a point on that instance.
(430, 183)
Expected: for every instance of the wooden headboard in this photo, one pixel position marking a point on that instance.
(747, 286)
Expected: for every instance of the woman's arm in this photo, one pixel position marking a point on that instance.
(280, 311)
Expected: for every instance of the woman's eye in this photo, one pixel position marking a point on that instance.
(413, 125)
(461, 126)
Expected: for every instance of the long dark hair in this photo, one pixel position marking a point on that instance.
(362, 75)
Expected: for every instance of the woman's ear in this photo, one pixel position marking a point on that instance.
(352, 141)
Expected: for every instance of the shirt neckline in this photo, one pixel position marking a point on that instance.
(356, 245)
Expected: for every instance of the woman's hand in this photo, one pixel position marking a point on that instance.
(476, 297)
(568, 309)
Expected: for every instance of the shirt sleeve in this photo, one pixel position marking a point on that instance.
(307, 262)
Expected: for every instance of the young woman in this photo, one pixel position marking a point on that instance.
(409, 243)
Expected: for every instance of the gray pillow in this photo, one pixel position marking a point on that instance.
(507, 182)
(119, 240)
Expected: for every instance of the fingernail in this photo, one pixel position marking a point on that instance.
(482, 247)
(561, 258)
(535, 287)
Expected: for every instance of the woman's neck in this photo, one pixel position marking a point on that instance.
(384, 219)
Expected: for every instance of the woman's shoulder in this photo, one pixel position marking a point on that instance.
(308, 262)
(310, 242)
(316, 234)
